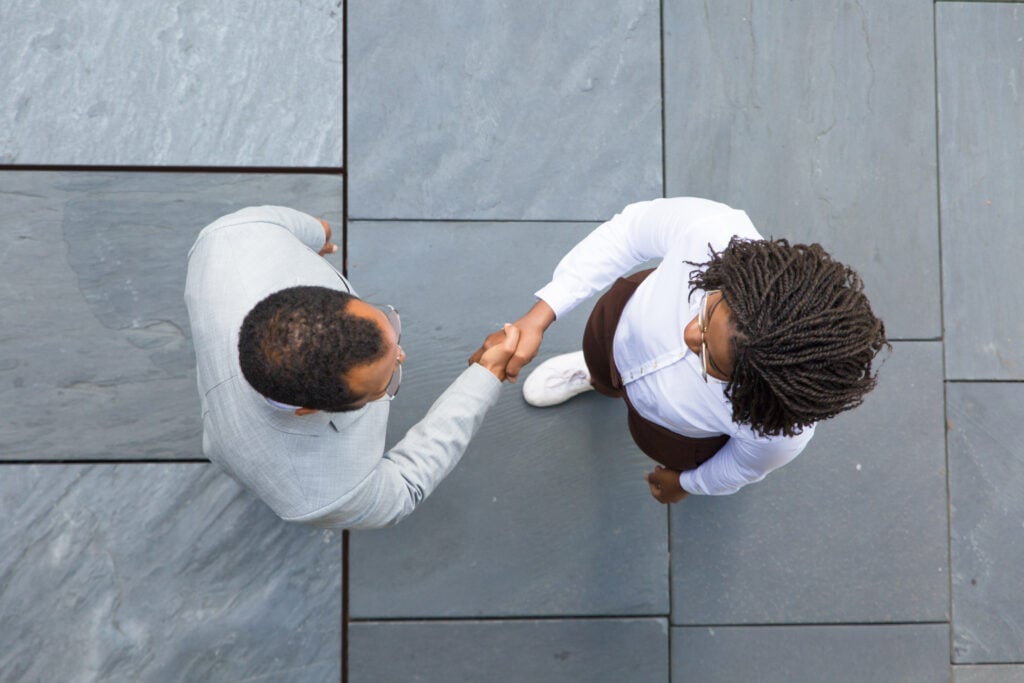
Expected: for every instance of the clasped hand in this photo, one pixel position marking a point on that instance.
(663, 482)
(531, 333)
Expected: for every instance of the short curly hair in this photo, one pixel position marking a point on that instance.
(297, 345)
(805, 333)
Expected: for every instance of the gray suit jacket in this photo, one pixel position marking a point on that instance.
(328, 469)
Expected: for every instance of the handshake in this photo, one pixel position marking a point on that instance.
(506, 351)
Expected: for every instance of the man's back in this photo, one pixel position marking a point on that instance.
(323, 468)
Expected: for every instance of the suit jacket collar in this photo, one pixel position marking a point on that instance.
(287, 421)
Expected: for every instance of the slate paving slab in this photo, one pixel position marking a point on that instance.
(97, 361)
(168, 572)
(525, 110)
(818, 119)
(180, 83)
(989, 673)
(986, 476)
(909, 653)
(853, 530)
(981, 144)
(548, 513)
(543, 651)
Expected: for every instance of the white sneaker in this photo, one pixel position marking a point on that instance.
(556, 380)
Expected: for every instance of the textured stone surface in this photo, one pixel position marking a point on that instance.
(990, 673)
(916, 653)
(176, 83)
(507, 110)
(853, 530)
(986, 476)
(96, 361)
(569, 651)
(156, 573)
(818, 119)
(548, 513)
(981, 145)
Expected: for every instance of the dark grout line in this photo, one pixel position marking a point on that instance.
(344, 605)
(664, 147)
(621, 617)
(527, 617)
(983, 381)
(942, 324)
(477, 220)
(664, 193)
(286, 170)
(96, 461)
(344, 271)
(814, 624)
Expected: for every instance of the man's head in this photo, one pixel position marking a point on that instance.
(318, 348)
(803, 335)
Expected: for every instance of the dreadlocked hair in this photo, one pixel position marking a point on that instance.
(805, 334)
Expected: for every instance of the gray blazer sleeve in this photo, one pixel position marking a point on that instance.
(410, 471)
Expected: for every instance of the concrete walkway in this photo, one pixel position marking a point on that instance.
(460, 148)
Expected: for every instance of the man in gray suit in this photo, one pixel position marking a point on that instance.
(296, 375)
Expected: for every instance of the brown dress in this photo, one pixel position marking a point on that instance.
(672, 450)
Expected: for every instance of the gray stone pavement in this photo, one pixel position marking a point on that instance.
(472, 144)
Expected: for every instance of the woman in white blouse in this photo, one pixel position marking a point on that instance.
(727, 354)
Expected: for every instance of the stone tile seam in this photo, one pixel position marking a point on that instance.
(661, 83)
(813, 624)
(477, 220)
(633, 617)
(103, 168)
(984, 381)
(517, 618)
(346, 536)
(942, 326)
(112, 461)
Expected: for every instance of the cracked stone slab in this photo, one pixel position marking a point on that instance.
(179, 83)
(160, 572)
(986, 475)
(97, 361)
(544, 651)
(981, 145)
(548, 513)
(910, 653)
(852, 531)
(522, 110)
(818, 119)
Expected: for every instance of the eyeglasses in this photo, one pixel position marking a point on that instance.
(702, 325)
(396, 325)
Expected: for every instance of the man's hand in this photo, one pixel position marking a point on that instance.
(665, 486)
(496, 358)
(328, 247)
(531, 332)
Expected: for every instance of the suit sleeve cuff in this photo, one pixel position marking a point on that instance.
(478, 381)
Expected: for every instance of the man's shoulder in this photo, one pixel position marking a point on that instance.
(240, 415)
